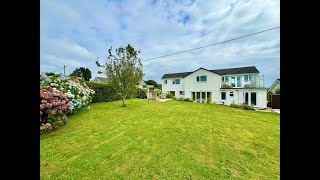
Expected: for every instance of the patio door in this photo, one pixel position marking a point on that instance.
(253, 98)
(246, 98)
(250, 98)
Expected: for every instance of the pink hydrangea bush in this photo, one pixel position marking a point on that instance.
(54, 108)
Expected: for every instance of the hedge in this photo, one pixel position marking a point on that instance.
(103, 92)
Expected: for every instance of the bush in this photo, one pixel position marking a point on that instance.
(208, 99)
(246, 107)
(181, 99)
(269, 92)
(54, 108)
(169, 95)
(225, 86)
(141, 93)
(174, 98)
(188, 100)
(103, 92)
(234, 105)
(277, 91)
(74, 88)
(159, 91)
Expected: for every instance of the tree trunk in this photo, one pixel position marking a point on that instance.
(123, 103)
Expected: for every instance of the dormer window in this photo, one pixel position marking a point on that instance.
(201, 78)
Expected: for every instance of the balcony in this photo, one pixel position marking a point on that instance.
(258, 82)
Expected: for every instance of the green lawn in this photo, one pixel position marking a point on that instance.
(163, 140)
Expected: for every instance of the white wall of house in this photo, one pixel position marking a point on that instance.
(212, 84)
(239, 96)
(141, 83)
(172, 87)
(178, 95)
(275, 86)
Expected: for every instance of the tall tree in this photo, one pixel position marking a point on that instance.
(124, 69)
(82, 72)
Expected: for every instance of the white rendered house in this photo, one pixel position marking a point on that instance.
(241, 85)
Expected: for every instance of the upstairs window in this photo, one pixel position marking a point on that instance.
(176, 81)
(226, 79)
(201, 78)
(233, 81)
(247, 78)
(165, 81)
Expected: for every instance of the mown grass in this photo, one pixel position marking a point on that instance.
(163, 140)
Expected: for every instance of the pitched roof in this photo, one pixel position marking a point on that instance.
(275, 82)
(102, 79)
(239, 70)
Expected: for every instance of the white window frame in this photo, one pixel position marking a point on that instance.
(174, 81)
(225, 78)
(249, 78)
(200, 79)
(235, 81)
(181, 92)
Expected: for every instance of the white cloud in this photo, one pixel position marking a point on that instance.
(88, 29)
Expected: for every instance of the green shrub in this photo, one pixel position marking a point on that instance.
(234, 105)
(208, 99)
(141, 93)
(277, 91)
(174, 98)
(188, 100)
(225, 86)
(270, 92)
(169, 95)
(181, 99)
(246, 107)
(103, 92)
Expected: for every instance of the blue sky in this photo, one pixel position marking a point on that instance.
(75, 33)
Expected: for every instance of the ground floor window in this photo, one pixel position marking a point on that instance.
(181, 92)
(173, 93)
(223, 95)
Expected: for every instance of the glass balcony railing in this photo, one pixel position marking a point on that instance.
(258, 82)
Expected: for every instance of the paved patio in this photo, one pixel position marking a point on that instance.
(163, 100)
(269, 109)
